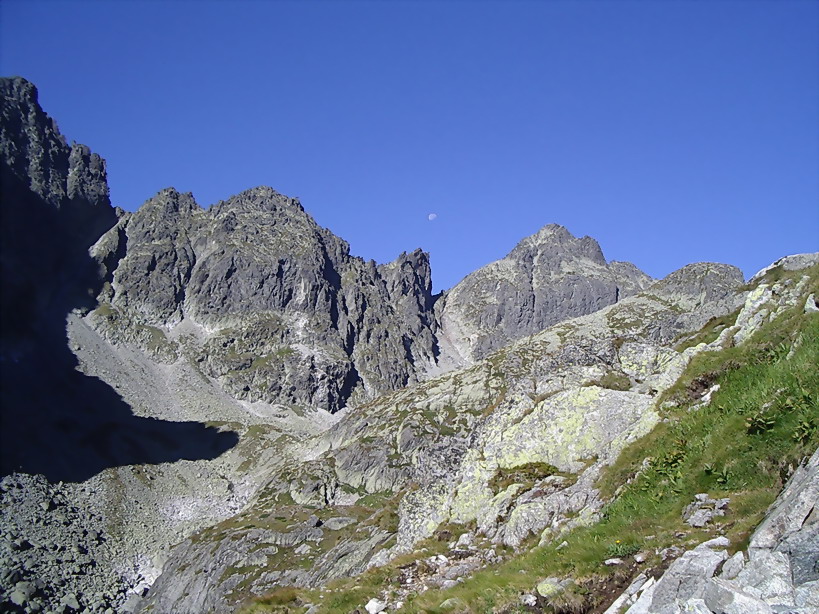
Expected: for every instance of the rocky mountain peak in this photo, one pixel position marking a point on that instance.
(413, 270)
(548, 277)
(712, 281)
(21, 89)
(554, 243)
(170, 202)
(260, 198)
(36, 153)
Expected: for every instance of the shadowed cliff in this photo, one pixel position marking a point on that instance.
(55, 420)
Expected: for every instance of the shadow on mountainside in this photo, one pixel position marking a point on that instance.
(54, 420)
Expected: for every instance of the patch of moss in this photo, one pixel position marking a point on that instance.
(614, 380)
(526, 475)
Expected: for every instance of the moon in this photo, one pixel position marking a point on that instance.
(432, 217)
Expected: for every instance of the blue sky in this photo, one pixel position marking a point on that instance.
(672, 132)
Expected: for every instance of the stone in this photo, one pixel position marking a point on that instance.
(18, 597)
(807, 595)
(703, 510)
(465, 540)
(724, 597)
(131, 604)
(556, 275)
(695, 606)
(685, 578)
(451, 603)
(549, 587)
(302, 549)
(339, 522)
(769, 575)
(374, 606)
(70, 600)
(612, 562)
(528, 599)
(732, 567)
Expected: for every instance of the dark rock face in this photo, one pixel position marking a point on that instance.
(287, 314)
(55, 205)
(548, 277)
(36, 153)
(55, 420)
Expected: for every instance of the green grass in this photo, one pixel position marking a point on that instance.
(759, 426)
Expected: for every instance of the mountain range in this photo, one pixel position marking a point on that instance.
(206, 408)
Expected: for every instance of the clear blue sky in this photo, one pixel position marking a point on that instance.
(672, 132)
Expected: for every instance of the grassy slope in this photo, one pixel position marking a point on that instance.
(759, 426)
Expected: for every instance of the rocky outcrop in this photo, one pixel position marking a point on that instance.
(779, 572)
(34, 151)
(548, 277)
(54, 206)
(285, 313)
(251, 318)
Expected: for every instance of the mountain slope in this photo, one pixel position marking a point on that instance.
(413, 460)
(597, 530)
(214, 403)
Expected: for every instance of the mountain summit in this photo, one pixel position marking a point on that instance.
(548, 277)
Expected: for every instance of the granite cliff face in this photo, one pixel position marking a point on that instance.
(286, 315)
(548, 277)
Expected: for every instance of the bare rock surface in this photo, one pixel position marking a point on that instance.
(283, 313)
(233, 402)
(548, 277)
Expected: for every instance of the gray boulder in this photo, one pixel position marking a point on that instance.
(684, 580)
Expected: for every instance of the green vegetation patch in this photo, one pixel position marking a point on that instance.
(614, 380)
(708, 333)
(526, 475)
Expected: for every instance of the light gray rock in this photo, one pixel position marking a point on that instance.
(695, 606)
(726, 598)
(685, 579)
(338, 522)
(549, 587)
(466, 540)
(795, 262)
(769, 575)
(806, 595)
(733, 566)
(374, 606)
(791, 528)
